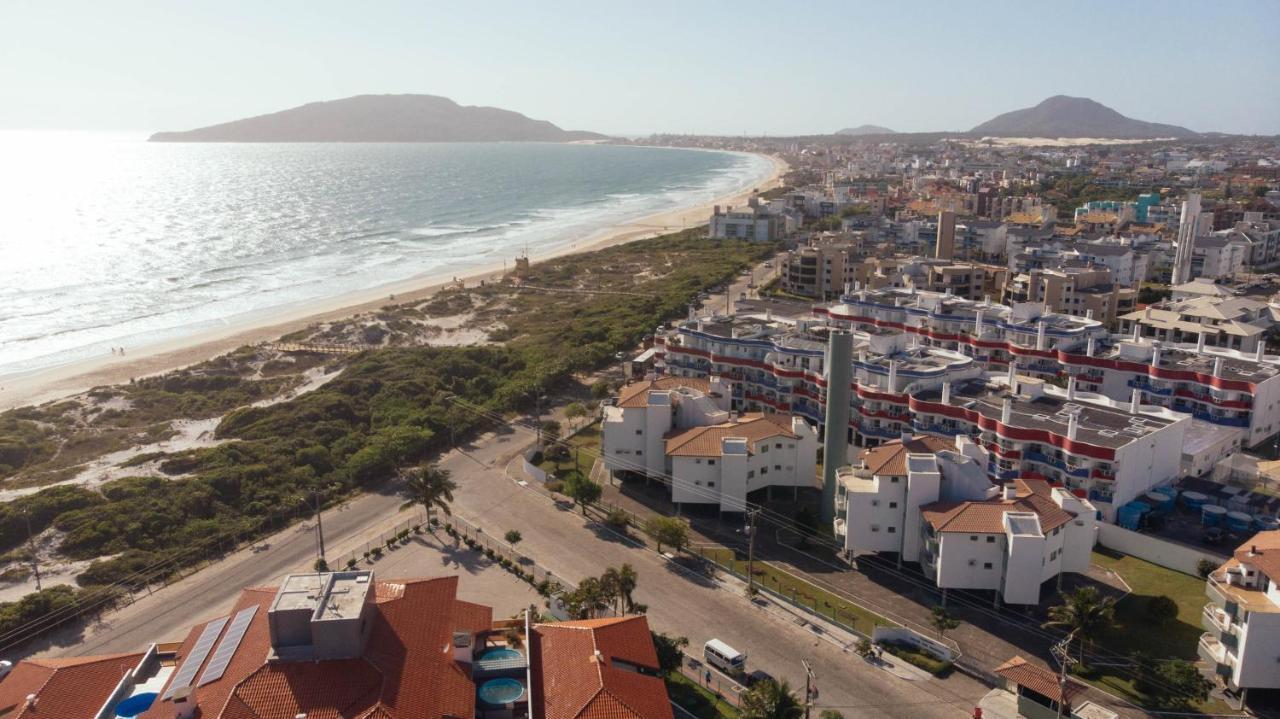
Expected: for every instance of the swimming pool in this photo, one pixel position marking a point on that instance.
(135, 705)
(497, 692)
(501, 653)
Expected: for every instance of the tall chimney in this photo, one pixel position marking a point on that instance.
(1040, 334)
(1217, 366)
(1073, 425)
(944, 248)
(835, 446)
(1006, 411)
(1135, 401)
(1071, 387)
(977, 324)
(946, 393)
(1088, 314)
(1013, 375)
(1261, 354)
(893, 375)
(1090, 346)
(1137, 331)
(1155, 353)
(1199, 342)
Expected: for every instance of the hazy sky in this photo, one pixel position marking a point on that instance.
(634, 68)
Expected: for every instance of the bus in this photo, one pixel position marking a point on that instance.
(724, 657)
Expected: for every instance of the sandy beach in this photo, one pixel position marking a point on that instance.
(74, 377)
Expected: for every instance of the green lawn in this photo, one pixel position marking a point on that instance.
(584, 446)
(696, 700)
(803, 592)
(1134, 632)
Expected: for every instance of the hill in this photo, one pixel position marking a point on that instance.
(1062, 116)
(383, 118)
(866, 130)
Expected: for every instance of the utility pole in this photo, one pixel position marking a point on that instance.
(751, 551)
(1062, 652)
(810, 687)
(315, 493)
(31, 547)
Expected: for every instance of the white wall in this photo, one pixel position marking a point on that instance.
(1257, 664)
(957, 550)
(1157, 551)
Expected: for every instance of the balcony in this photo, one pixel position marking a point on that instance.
(1213, 651)
(1215, 620)
(837, 526)
(1150, 388)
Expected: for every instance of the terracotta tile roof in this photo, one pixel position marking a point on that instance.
(72, 687)
(1038, 679)
(405, 671)
(621, 682)
(706, 441)
(890, 458)
(636, 393)
(987, 516)
(1267, 555)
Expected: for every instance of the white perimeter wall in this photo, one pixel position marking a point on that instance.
(1154, 550)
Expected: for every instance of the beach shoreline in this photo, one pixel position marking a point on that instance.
(72, 378)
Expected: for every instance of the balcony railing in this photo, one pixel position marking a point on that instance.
(1148, 387)
(1211, 650)
(1215, 620)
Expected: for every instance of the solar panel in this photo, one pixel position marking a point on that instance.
(228, 646)
(187, 672)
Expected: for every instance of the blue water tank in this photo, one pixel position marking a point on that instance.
(1211, 515)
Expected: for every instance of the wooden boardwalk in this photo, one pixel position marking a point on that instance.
(317, 347)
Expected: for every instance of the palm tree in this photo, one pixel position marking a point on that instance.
(1083, 614)
(430, 487)
(769, 699)
(627, 581)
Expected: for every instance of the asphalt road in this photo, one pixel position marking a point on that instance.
(570, 546)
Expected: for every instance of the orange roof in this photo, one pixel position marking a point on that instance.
(636, 393)
(890, 458)
(987, 516)
(403, 673)
(598, 669)
(1038, 679)
(706, 441)
(1262, 551)
(74, 687)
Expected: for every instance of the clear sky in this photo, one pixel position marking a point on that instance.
(634, 68)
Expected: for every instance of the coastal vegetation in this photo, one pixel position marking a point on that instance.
(387, 409)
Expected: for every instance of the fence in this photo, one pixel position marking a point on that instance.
(721, 687)
(1153, 549)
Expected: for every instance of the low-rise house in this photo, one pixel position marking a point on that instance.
(1041, 694)
(1241, 643)
(1238, 323)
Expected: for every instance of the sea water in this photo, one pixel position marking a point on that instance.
(109, 241)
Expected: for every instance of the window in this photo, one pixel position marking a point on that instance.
(751, 473)
(777, 445)
(875, 528)
(639, 431)
(698, 460)
(711, 461)
(973, 562)
(986, 565)
(764, 471)
(711, 484)
(764, 447)
(991, 540)
(777, 468)
(892, 530)
(893, 505)
(973, 537)
(893, 480)
(639, 452)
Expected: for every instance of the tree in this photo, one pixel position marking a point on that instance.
(830, 714)
(430, 487)
(588, 600)
(600, 390)
(618, 520)
(864, 647)
(513, 537)
(549, 431)
(574, 411)
(1083, 614)
(625, 580)
(1169, 683)
(769, 699)
(667, 530)
(942, 621)
(670, 651)
(1205, 567)
(581, 490)
(1161, 610)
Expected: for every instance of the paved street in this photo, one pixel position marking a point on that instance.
(563, 541)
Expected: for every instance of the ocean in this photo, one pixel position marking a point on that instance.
(108, 241)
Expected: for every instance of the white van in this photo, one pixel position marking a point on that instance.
(724, 657)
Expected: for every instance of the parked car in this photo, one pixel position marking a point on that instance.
(758, 676)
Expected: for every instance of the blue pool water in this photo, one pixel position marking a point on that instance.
(501, 691)
(135, 705)
(501, 653)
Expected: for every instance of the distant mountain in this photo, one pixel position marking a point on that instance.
(1062, 116)
(866, 130)
(383, 118)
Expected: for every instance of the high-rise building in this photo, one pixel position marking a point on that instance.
(1187, 225)
(946, 245)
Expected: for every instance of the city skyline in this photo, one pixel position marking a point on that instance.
(135, 67)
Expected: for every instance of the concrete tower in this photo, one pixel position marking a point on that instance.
(945, 247)
(838, 367)
(1187, 226)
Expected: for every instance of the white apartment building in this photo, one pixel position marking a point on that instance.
(682, 428)
(928, 500)
(1241, 642)
(754, 222)
(1238, 323)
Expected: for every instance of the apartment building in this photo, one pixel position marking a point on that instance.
(1219, 256)
(1101, 450)
(1080, 291)
(928, 500)
(1242, 618)
(343, 644)
(684, 428)
(992, 334)
(1226, 388)
(754, 222)
(776, 366)
(1238, 323)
